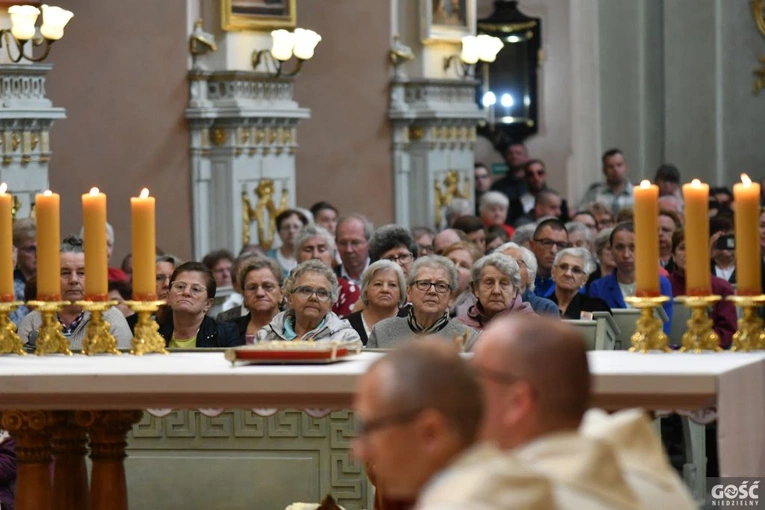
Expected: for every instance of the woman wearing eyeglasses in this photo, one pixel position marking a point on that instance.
(495, 281)
(192, 289)
(311, 290)
(430, 287)
(394, 243)
(570, 270)
(261, 282)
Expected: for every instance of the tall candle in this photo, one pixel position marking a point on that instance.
(144, 247)
(48, 246)
(746, 197)
(647, 239)
(6, 245)
(698, 281)
(96, 258)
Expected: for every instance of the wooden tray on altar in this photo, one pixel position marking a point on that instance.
(292, 353)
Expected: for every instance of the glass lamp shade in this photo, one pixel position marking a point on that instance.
(488, 47)
(54, 21)
(470, 50)
(283, 43)
(23, 19)
(305, 43)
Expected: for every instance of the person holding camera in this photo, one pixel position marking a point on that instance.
(722, 246)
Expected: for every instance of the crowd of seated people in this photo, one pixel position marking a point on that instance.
(538, 260)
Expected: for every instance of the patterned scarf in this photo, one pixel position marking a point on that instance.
(436, 326)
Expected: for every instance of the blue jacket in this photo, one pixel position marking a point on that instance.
(607, 289)
(544, 287)
(541, 306)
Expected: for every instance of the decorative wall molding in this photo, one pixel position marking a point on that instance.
(243, 129)
(280, 447)
(26, 118)
(434, 132)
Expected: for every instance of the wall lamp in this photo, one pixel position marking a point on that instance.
(474, 48)
(300, 43)
(23, 21)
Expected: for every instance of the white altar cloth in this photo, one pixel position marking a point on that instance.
(733, 382)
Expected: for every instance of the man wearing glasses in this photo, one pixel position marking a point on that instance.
(418, 412)
(536, 385)
(550, 237)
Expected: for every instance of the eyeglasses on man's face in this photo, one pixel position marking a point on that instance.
(425, 285)
(549, 243)
(305, 292)
(194, 289)
(365, 428)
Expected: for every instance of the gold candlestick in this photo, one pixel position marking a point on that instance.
(700, 336)
(146, 337)
(99, 339)
(50, 340)
(10, 343)
(649, 335)
(749, 336)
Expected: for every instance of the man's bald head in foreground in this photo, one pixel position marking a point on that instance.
(535, 376)
(418, 407)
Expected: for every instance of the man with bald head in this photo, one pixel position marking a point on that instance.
(536, 385)
(418, 412)
(446, 238)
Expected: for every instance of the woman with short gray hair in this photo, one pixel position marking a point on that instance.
(570, 270)
(311, 289)
(430, 287)
(383, 292)
(495, 280)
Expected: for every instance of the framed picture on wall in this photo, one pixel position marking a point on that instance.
(258, 14)
(447, 20)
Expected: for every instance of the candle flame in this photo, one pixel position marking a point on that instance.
(47, 193)
(696, 183)
(3, 188)
(645, 183)
(746, 180)
(94, 191)
(144, 193)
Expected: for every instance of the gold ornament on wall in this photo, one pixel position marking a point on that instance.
(444, 197)
(265, 204)
(758, 11)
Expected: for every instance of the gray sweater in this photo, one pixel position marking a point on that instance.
(388, 333)
(119, 328)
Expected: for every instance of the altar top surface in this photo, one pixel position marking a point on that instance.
(206, 379)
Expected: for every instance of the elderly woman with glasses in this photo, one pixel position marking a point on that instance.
(383, 292)
(311, 290)
(261, 282)
(316, 243)
(288, 224)
(495, 281)
(430, 287)
(187, 326)
(570, 270)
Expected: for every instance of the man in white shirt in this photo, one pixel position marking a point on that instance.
(536, 384)
(418, 412)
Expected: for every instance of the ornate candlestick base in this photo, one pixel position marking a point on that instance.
(10, 343)
(649, 335)
(99, 340)
(700, 336)
(749, 336)
(146, 337)
(49, 339)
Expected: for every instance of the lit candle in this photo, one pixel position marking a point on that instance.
(144, 247)
(746, 197)
(6, 245)
(48, 246)
(647, 240)
(698, 281)
(96, 258)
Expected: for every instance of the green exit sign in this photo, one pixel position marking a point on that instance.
(499, 168)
